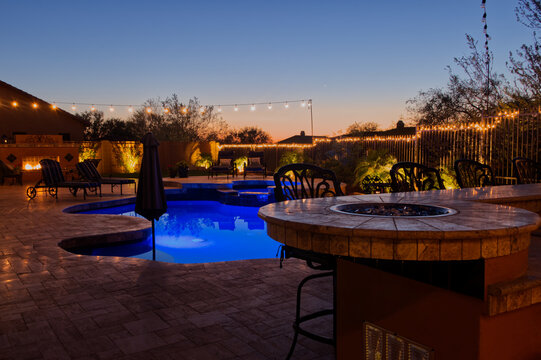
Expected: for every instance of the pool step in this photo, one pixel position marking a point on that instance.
(246, 198)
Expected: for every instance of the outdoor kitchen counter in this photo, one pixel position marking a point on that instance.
(465, 276)
(477, 230)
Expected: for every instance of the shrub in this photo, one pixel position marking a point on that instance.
(376, 163)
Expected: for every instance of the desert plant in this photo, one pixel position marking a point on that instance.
(204, 160)
(376, 163)
(290, 157)
(448, 176)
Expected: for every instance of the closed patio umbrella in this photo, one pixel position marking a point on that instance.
(150, 202)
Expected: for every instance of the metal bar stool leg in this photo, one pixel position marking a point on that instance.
(300, 319)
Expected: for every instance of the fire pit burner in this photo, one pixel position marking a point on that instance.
(393, 209)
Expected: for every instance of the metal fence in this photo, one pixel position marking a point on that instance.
(494, 141)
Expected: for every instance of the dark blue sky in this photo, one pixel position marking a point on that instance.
(358, 60)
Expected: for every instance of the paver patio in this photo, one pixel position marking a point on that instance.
(58, 305)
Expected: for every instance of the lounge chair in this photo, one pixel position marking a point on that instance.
(53, 179)
(6, 171)
(89, 172)
(526, 170)
(410, 176)
(471, 173)
(225, 165)
(255, 164)
(301, 181)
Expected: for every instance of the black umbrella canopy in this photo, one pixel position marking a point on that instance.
(150, 201)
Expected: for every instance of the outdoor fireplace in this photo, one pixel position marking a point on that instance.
(32, 162)
(393, 209)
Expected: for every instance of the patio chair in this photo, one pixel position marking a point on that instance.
(301, 181)
(6, 171)
(526, 170)
(471, 173)
(410, 176)
(52, 179)
(225, 165)
(255, 164)
(89, 172)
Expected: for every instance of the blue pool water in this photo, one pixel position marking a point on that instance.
(197, 232)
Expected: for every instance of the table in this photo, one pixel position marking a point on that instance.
(454, 284)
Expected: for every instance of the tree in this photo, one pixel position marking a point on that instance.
(359, 129)
(525, 63)
(111, 129)
(172, 120)
(248, 135)
(468, 96)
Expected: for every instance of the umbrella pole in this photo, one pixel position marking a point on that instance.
(153, 242)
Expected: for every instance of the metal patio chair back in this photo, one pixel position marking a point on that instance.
(471, 173)
(302, 181)
(410, 176)
(527, 171)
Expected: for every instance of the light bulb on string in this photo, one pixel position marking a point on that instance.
(303, 103)
(92, 108)
(184, 110)
(252, 108)
(202, 109)
(219, 108)
(14, 103)
(269, 106)
(236, 108)
(286, 105)
(166, 110)
(35, 105)
(130, 109)
(53, 106)
(149, 110)
(73, 107)
(111, 108)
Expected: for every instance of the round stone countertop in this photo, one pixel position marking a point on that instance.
(477, 230)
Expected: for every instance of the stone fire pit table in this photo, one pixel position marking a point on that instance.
(426, 285)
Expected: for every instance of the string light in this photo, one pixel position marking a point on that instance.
(35, 105)
(111, 108)
(166, 110)
(92, 108)
(252, 108)
(286, 105)
(303, 104)
(130, 109)
(149, 110)
(53, 106)
(219, 109)
(73, 107)
(14, 103)
(236, 108)
(269, 106)
(184, 110)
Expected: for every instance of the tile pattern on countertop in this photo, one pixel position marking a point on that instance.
(55, 304)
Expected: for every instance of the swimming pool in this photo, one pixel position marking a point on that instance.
(197, 232)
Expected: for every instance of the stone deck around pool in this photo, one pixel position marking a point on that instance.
(58, 305)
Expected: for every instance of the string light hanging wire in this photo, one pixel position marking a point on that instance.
(487, 53)
(220, 107)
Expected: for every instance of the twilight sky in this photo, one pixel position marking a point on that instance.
(358, 60)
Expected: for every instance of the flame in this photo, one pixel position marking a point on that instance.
(29, 166)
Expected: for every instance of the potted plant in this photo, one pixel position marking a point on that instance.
(172, 170)
(182, 167)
